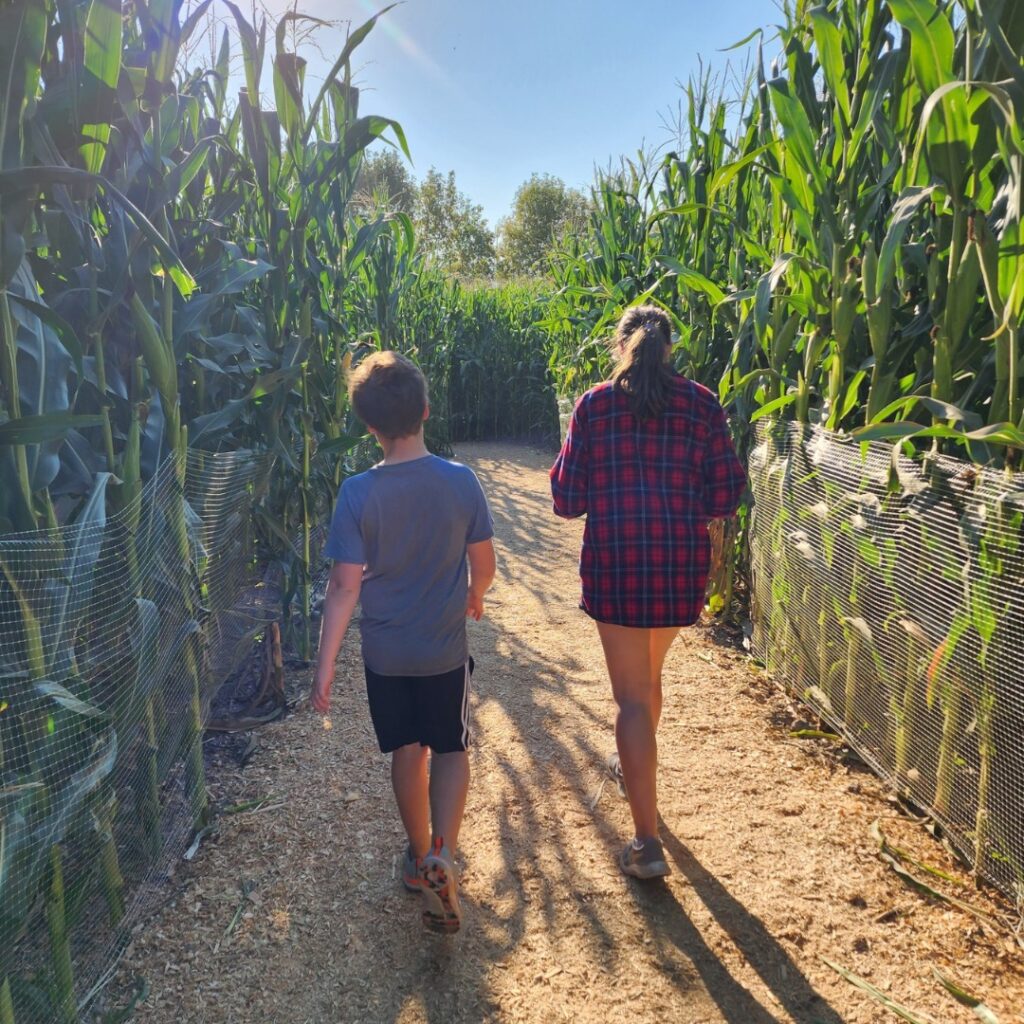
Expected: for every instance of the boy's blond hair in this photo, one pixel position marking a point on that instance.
(389, 394)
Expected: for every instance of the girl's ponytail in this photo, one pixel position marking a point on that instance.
(643, 341)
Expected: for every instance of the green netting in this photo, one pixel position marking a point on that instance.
(887, 593)
(114, 632)
(363, 456)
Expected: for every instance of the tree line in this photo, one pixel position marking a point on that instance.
(451, 229)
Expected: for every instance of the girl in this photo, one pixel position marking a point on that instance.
(649, 461)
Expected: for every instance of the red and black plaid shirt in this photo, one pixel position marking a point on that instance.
(648, 489)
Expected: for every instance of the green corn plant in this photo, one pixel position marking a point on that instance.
(23, 30)
(904, 705)
(158, 358)
(991, 613)
(60, 947)
(6, 1003)
(305, 645)
(133, 164)
(947, 685)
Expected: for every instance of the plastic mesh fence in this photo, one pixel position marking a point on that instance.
(113, 633)
(887, 593)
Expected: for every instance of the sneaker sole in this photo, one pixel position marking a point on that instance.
(656, 869)
(652, 869)
(441, 911)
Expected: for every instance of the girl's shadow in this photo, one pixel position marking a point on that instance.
(668, 920)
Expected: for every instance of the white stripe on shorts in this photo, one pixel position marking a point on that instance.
(465, 709)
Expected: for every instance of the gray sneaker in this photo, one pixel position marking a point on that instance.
(412, 871)
(644, 861)
(441, 910)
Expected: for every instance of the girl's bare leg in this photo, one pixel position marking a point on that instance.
(661, 641)
(635, 658)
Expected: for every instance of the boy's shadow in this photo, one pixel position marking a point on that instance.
(443, 979)
(668, 920)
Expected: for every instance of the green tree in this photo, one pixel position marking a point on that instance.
(451, 229)
(385, 182)
(544, 209)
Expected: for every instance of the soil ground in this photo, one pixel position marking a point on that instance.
(773, 865)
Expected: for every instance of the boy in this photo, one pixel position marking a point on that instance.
(401, 537)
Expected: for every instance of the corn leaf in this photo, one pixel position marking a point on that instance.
(103, 41)
(910, 1016)
(44, 428)
(932, 42)
(830, 53)
(889, 856)
(67, 700)
(964, 998)
(692, 278)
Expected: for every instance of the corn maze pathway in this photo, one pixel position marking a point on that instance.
(768, 839)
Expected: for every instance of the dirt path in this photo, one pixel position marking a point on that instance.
(773, 866)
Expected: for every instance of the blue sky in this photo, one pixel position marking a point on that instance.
(497, 90)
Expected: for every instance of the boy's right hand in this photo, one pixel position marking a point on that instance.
(475, 606)
(320, 697)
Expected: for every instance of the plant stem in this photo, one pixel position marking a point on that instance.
(60, 948)
(307, 528)
(34, 649)
(947, 749)
(904, 733)
(110, 868)
(150, 816)
(6, 1003)
(986, 751)
(850, 686)
(195, 770)
(9, 381)
(101, 371)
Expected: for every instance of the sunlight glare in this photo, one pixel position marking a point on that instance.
(389, 26)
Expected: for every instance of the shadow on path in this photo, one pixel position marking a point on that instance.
(772, 963)
(552, 930)
(537, 896)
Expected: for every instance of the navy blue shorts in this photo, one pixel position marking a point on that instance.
(432, 711)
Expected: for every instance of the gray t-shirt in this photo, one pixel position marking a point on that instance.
(408, 524)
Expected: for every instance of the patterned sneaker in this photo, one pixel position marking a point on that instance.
(614, 766)
(412, 871)
(441, 911)
(644, 859)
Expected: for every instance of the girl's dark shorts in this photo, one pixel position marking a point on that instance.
(432, 711)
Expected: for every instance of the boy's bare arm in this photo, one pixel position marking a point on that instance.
(481, 575)
(339, 603)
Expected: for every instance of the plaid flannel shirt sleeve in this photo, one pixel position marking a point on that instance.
(569, 473)
(724, 476)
